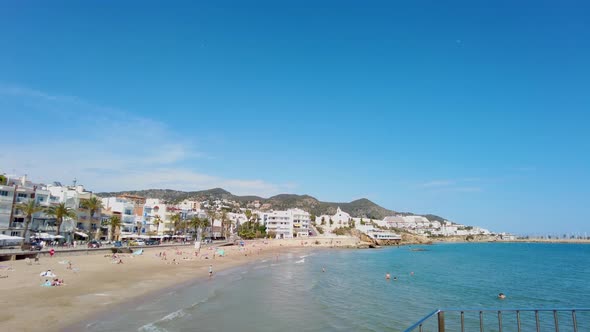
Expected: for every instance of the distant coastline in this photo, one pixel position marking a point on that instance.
(461, 239)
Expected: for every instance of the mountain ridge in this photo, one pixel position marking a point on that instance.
(359, 208)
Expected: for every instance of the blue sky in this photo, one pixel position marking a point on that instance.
(476, 111)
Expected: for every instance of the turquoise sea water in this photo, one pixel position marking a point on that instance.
(294, 294)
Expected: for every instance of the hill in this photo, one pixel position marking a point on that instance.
(359, 208)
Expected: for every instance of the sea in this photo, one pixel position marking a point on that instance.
(346, 290)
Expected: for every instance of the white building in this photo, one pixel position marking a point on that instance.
(279, 222)
(286, 224)
(339, 219)
(189, 205)
(124, 208)
(156, 209)
(6, 200)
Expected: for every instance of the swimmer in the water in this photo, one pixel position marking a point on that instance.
(394, 278)
(501, 296)
(387, 276)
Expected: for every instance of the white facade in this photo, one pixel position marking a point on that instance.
(157, 209)
(7, 196)
(125, 209)
(189, 205)
(339, 219)
(281, 223)
(286, 224)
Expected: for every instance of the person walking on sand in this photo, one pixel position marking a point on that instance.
(51, 252)
(210, 271)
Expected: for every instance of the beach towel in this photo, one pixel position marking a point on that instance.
(138, 252)
(221, 252)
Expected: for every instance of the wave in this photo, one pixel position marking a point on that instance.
(180, 313)
(151, 327)
(300, 261)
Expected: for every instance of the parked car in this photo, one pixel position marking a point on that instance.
(94, 244)
(117, 244)
(152, 242)
(34, 246)
(137, 243)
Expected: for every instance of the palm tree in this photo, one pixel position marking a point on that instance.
(29, 209)
(197, 223)
(157, 221)
(93, 204)
(114, 222)
(212, 215)
(138, 224)
(225, 224)
(194, 223)
(60, 212)
(175, 219)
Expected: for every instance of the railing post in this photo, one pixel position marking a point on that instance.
(441, 321)
(518, 319)
(499, 321)
(556, 320)
(481, 321)
(537, 320)
(462, 321)
(574, 321)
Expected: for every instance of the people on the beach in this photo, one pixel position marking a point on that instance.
(501, 296)
(47, 273)
(323, 269)
(210, 271)
(51, 252)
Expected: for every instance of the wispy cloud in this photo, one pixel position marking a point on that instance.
(108, 149)
(452, 185)
(437, 183)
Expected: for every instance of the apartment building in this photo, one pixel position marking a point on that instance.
(125, 209)
(286, 224)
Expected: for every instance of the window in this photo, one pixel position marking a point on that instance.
(14, 233)
(20, 195)
(127, 212)
(3, 193)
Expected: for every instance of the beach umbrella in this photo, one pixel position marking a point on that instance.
(4, 237)
(58, 237)
(44, 236)
(129, 236)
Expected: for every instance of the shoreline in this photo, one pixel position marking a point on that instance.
(201, 278)
(96, 284)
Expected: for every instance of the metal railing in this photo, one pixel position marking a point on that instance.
(437, 319)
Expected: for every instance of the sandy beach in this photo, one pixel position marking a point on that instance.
(95, 283)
